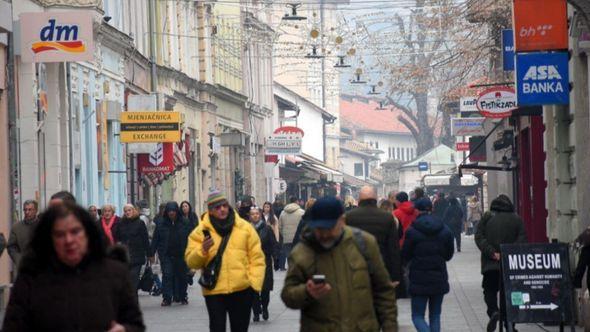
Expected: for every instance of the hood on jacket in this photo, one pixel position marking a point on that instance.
(407, 208)
(428, 224)
(292, 207)
(172, 206)
(502, 204)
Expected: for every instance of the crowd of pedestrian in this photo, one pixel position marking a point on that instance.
(346, 264)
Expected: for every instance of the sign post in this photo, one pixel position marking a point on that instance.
(537, 283)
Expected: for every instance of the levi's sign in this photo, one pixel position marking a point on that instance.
(542, 78)
(57, 36)
(468, 126)
(537, 282)
(497, 102)
(150, 127)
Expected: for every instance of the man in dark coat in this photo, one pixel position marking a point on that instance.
(268, 243)
(170, 240)
(453, 218)
(382, 226)
(440, 206)
(22, 232)
(427, 248)
(501, 225)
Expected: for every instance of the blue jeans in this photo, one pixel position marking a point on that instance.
(434, 309)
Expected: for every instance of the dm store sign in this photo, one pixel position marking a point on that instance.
(542, 78)
(56, 36)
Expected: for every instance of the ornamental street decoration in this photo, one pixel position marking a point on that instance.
(498, 102)
(537, 282)
(150, 127)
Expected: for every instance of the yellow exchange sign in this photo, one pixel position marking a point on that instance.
(150, 127)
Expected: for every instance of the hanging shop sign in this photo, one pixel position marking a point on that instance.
(57, 36)
(537, 282)
(498, 102)
(285, 141)
(159, 161)
(540, 25)
(468, 106)
(150, 127)
(542, 78)
(462, 146)
(508, 49)
(468, 126)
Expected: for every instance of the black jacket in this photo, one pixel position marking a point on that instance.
(582, 267)
(268, 243)
(498, 226)
(382, 226)
(162, 234)
(428, 246)
(134, 235)
(440, 207)
(60, 298)
(453, 218)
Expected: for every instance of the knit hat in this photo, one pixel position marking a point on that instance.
(423, 205)
(215, 199)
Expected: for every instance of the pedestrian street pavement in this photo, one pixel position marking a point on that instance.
(463, 307)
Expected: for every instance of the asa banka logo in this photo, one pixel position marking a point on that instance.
(59, 37)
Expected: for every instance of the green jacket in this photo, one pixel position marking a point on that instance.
(355, 303)
(498, 226)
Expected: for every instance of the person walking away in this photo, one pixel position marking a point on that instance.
(268, 244)
(418, 194)
(132, 233)
(93, 210)
(170, 242)
(278, 206)
(22, 232)
(189, 214)
(440, 205)
(427, 248)
(337, 278)
(304, 220)
(501, 225)
(473, 215)
(228, 248)
(107, 222)
(406, 214)
(271, 219)
(66, 282)
(288, 222)
(453, 218)
(369, 218)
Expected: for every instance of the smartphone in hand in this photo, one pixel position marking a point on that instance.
(206, 233)
(319, 279)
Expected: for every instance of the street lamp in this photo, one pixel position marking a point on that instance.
(294, 16)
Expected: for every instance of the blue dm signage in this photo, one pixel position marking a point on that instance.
(542, 78)
(508, 50)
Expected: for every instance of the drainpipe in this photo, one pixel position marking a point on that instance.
(70, 129)
(13, 147)
(152, 30)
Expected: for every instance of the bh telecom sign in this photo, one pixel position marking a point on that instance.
(56, 36)
(542, 78)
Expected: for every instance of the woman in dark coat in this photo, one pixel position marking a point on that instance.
(132, 233)
(189, 214)
(268, 243)
(427, 248)
(453, 218)
(66, 282)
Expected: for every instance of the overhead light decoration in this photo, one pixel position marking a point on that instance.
(294, 16)
(341, 63)
(357, 79)
(374, 90)
(381, 106)
(314, 53)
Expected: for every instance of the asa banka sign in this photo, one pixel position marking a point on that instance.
(57, 36)
(542, 78)
(285, 141)
(537, 283)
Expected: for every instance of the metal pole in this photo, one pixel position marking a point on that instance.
(13, 147)
(213, 161)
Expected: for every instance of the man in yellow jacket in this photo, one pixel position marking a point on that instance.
(240, 269)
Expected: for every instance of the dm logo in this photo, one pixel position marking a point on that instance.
(54, 37)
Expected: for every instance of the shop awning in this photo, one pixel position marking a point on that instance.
(316, 166)
(356, 182)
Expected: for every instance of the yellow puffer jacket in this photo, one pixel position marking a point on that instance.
(242, 265)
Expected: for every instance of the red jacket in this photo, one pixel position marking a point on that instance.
(406, 214)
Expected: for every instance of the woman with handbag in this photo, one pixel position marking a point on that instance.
(132, 233)
(227, 249)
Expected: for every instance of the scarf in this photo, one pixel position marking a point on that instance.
(224, 227)
(108, 228)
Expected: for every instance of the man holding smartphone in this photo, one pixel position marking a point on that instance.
(337, 278)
